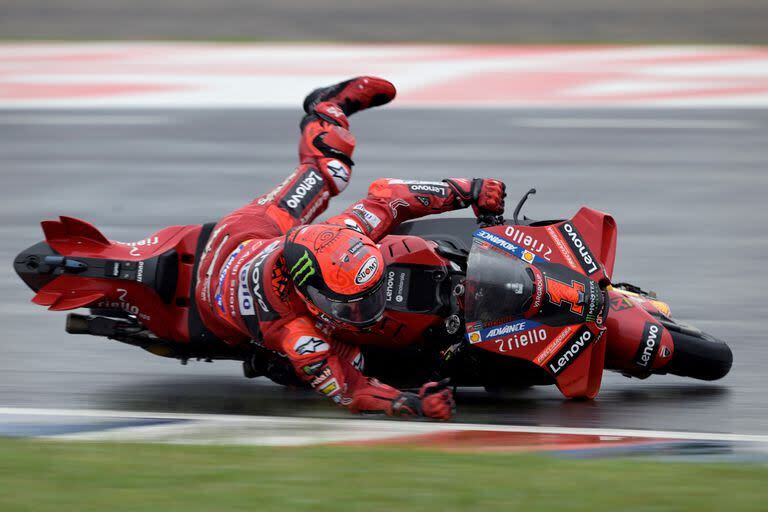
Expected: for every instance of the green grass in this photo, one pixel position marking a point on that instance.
(43, 476)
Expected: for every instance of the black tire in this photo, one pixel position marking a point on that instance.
(697, 354)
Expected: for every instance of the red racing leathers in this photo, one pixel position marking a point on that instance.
(244, 292)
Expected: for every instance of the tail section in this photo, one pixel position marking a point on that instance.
(46, 271)
(60, 296)
(71, 231)
(149, 280)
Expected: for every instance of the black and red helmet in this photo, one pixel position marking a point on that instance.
(339, 273)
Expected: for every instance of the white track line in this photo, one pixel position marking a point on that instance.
(401, 427)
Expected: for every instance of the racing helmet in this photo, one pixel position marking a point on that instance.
(338, 272)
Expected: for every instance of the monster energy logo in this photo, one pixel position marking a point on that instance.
(302, 269)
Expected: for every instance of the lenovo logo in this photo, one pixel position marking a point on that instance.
(572, 349)
(587, 259)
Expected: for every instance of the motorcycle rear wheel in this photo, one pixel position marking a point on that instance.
(697, 355)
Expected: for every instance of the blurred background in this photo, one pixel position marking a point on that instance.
(137, 115)
(486, 21)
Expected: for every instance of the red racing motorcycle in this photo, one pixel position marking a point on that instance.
(505, 305)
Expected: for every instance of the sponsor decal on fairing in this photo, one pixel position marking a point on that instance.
(533, 245)
(137, 246)
(561, 294)
(506, 329)
(538, 294)
(507, 246)
(587, 260)
(554, 345)
(123, 304)
(396, 286)
(621, 303)
(572, 349)
(562, 247)
(649, 345)
(521, 340)
(594, 301)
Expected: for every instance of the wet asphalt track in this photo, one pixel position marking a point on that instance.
(687, 188)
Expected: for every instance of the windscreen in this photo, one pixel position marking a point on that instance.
(498, 285)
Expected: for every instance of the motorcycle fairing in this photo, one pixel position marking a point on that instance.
(586, 243)
(564, 335)
(119, 275)
(575, 360)
(637, 340)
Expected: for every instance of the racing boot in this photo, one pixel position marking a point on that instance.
(325, 134)
(353, 95)
(327, 144)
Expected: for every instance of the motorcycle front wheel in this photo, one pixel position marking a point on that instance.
(697, 355)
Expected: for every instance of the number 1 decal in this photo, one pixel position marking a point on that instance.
(572, 294)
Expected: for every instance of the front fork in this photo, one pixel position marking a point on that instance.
(637, 342)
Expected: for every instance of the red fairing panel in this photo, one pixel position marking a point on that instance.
(637, 342)
(77, 238)
(575, 360)
(586, 243)
(599, 232)
(572, 354)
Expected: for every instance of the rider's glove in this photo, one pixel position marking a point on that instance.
(437, 400)
(434, 400)
(406, 404)
(486, 196)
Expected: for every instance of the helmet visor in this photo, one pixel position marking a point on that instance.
(360, 312)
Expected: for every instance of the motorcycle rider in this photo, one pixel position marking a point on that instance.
(268, 275)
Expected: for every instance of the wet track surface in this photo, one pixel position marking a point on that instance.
(687, 188)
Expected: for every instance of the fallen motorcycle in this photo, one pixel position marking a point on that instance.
(505, 305)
